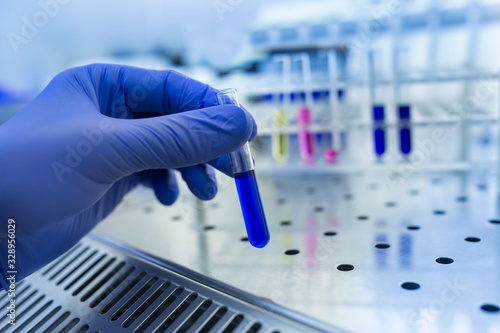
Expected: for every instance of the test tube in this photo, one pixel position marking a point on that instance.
(246, 183)
(335, 99)
(404, 129)
(379, 129)
(306, 138)
(280, 139)
(377, 106)
(401, 95)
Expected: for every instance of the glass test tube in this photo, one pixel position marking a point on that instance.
(401, 94)
(336, 98)
(379, 129)
(280, 138)
(306, 138)
(246, 183)
(304, 118)
(404, 129)
(377, 106)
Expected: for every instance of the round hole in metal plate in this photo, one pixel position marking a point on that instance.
(410, 285)
(490, 308)
(444, 260)
(345, 267)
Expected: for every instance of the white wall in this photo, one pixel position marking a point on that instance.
(86, 29)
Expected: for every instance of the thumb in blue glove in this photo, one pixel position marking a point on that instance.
(92, 135)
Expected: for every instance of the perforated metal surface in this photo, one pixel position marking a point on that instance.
(347, 248)
(98, 287)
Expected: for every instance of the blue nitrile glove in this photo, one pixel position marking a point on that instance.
(69, 157)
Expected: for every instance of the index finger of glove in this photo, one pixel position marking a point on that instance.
(139, 93)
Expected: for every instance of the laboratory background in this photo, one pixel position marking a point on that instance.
(377, 161)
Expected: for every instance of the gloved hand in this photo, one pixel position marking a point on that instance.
(93, 134)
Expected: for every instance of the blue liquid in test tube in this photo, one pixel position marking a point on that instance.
(379, 131)
(404, 129)
(251, 206)
(246, 184)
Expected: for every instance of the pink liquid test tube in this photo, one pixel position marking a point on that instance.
(306, 138)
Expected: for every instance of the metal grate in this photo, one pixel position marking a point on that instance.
(98, 286)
